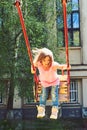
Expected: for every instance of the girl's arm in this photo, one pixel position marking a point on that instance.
(61, 67)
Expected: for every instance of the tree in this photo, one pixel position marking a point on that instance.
(14, 63)
(40, 21)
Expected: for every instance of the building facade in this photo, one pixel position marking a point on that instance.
(78, 58)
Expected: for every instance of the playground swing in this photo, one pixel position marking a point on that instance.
(62, 91)
(64, 79)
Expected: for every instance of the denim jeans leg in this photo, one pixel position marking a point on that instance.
(43, 96)
(54, 95)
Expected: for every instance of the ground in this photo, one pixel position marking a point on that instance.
(44, 124)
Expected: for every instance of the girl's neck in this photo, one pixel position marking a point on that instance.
(46, 68)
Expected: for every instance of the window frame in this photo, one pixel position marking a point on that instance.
(73, 32)
(74, 91)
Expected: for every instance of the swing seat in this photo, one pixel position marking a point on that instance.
(39, 88)
(62, 77)
(62, 93)
(63, 89)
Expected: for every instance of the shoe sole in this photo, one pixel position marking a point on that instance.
(54, 118)
(40, 116)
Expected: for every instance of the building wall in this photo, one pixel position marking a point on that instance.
(83, 27)
(84, 92)
(78, 56)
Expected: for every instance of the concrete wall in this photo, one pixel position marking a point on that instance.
(83, 29)
(17, 102)
(84, 92)
(78, 56)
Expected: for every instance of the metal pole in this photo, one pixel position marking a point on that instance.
(66, 43)
(17, 4)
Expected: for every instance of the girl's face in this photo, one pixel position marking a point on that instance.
(46, 62)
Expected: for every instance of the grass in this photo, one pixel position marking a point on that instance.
(44, 124)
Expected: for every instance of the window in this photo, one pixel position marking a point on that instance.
(74, 91)
(73, 23)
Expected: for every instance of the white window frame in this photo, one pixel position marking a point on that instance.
(74, 91)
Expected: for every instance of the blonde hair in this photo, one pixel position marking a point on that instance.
(39, 54)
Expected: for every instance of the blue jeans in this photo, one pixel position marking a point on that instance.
(54, 95)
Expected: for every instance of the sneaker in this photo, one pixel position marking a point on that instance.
(54, 113)
(41, 111)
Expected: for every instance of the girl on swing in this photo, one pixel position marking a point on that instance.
(44, 62)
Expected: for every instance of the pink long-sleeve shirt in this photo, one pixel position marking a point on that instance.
(48, 77)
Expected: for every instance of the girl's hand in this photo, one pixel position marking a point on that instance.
(69, 67)
(32, 70)
(66, 68)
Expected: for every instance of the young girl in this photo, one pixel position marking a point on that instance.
(48, 77)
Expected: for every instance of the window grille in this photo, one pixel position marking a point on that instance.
(73, 91)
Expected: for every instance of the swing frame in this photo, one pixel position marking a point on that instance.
(17, 4)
